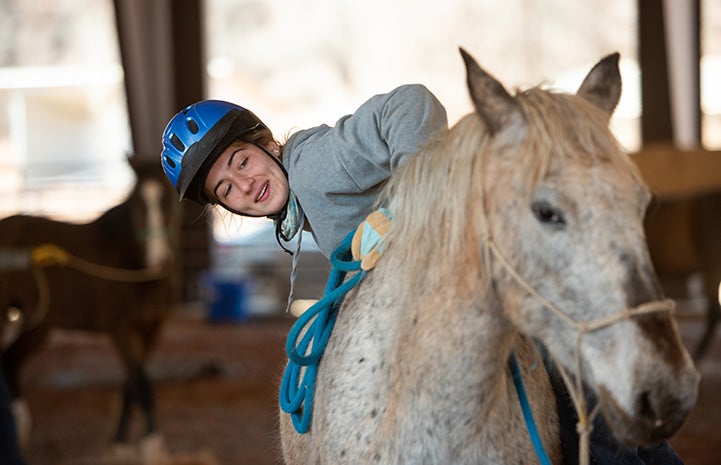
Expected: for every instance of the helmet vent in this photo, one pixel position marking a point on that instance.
(193, 126)
(169, 161)
(177, 143)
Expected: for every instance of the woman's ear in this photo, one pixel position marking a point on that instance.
(274, 148)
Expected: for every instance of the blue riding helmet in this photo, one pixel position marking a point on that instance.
(196, 137)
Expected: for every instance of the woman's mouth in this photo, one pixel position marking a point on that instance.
(262, 193)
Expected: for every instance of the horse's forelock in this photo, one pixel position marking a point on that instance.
(567, 127)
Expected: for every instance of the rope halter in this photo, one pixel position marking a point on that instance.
(575, 386)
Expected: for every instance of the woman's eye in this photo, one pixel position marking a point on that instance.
(226, 191)
(243, 162)
(547, 213)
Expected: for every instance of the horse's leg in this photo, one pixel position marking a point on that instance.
(149, 335)
(13, 358)
(705, 224)
(140, 391)
(713, 314)
(121, 428)
(137, 388)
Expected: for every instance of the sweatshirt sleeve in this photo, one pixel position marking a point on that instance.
(337, 171)
(386, 130)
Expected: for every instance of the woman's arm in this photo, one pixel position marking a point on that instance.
(336, 172)
(387, 129)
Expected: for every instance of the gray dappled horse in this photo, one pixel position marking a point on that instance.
(523, 222)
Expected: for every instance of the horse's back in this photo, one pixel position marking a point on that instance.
(351, 383)
(78, 299)
(19, 236)
(25, 232)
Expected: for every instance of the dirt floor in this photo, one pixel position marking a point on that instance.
(216, 396)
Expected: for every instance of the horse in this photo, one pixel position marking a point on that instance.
(682, 235)
(112, 275)
(519, 229)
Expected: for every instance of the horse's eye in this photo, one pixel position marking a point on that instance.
(547, 213)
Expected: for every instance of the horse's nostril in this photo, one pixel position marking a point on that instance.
(645, 408)
(659, 408)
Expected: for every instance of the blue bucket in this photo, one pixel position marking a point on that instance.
(228, 300)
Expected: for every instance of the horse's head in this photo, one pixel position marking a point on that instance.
(563, 207)
(156, 213)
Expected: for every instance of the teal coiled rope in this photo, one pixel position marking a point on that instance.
(305, 349)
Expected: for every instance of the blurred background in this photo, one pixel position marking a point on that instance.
(86, 83)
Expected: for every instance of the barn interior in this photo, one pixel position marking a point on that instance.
(84, 85)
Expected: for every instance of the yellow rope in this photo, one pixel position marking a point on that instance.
(50, 254)
(41, 310)
(46, 255)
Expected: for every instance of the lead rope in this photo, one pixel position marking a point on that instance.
(46, 255)
(527, 413)
(309, 336)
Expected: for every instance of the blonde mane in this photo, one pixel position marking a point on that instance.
(436, 198)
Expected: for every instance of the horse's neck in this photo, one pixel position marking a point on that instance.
(459, 352)
(429, 372)
(463, 346)
(449, 375)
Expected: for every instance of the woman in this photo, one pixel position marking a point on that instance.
(326, 179)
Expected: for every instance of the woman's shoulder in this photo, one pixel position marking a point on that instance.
(410, 108)
(420, 89)
(300, 136)
(405, 94)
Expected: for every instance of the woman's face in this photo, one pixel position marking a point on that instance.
(245, 179)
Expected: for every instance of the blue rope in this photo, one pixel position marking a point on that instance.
(296, 391)
(527, 413)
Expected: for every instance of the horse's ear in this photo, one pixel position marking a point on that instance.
(602, 85)
(493, 103)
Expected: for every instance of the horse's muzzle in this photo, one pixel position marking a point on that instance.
(657, 413)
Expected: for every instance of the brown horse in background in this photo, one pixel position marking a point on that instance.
(125, 287)
(684, 237)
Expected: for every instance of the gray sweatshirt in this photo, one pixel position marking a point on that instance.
(337, 172)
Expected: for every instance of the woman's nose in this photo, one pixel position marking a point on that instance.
(245, 184)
